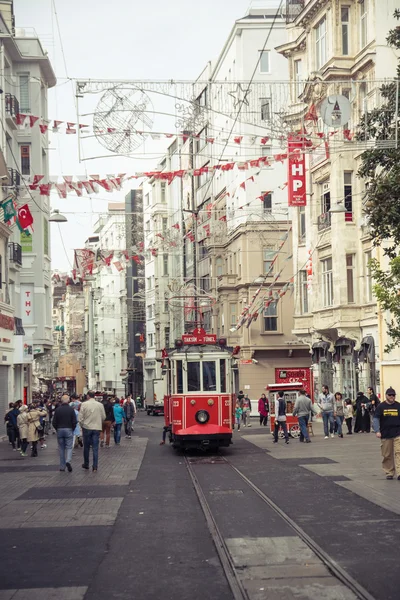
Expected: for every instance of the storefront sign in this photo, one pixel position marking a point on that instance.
(302, 376)
(7, 322)
(26, 242)
(297, 172)
(246, 362)
(149, 364)
(27, 300)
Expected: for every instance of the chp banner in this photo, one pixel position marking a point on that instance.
(297, 171)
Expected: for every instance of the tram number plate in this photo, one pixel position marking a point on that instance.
(176, 403)
(177, 422)
(226, 422)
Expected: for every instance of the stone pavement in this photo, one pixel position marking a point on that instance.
(352, 462)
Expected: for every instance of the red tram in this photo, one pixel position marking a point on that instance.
(198, 407)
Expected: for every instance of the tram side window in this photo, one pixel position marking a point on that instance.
(179, 377)
(209, 376)
(222, 373)
(193, 377)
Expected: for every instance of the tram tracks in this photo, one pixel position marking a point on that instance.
(233, 576)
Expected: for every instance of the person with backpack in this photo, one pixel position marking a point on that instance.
(280, 417)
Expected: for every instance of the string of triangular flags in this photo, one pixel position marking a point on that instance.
(71, 128)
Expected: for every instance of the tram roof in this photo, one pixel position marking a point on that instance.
(204, 349)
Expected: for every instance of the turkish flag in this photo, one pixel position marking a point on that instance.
(24, 216)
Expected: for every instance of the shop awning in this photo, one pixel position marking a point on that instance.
(344, 342)
(321, 344)
(320, 351)
(367, 351)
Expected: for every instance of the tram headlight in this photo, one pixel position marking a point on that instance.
(202, 416)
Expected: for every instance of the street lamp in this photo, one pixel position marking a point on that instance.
(57, 217)
(337, 208)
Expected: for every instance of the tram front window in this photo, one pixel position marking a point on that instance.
(209, 376)
(193, 377)
(222, 371)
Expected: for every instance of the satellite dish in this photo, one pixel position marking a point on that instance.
(336, 111)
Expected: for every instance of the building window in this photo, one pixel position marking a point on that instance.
(164, 225)
(25, 152)
(271, 317)
(265, 104)
(167, 335)
(24, 95)
(320, 43)
(302, 223)
(303, 292)
(147, 199)
(298, 77)
(150, 340)
(268, 260)
(363, 23)
(327, 282)
(265, 61)
(368, 277)
(45, 236)
(233, 314)
(207, 320)
(165, 264)
(325, 197)
(348, 191)
(350, 277)
(219, 267)
(163, 191)
(267, 202)
(150, 311)
(345, 10)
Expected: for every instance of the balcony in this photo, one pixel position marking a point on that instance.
(15, 253)
(14, 179)
(12, 110)
(324, 221)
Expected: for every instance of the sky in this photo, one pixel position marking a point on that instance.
(123, 39)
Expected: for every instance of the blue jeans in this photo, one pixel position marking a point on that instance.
(339, 424)
(327, 417)
(91, 437)
(64, 438)
(117, 432)
(303, 422)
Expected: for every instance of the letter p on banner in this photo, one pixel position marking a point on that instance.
(297, 171)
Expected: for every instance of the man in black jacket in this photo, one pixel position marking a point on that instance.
(108, 404)
(64, 422)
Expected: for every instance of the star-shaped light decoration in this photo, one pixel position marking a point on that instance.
(239, 95)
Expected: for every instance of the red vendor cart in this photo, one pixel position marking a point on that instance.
(291, 392)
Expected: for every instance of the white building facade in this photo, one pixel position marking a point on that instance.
(336, 48)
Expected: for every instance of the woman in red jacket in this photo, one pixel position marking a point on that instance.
(263, 409)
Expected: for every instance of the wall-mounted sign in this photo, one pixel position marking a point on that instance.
(297, 172)
(26, 242)
(199, 336)
(27, 303)
(7, 322)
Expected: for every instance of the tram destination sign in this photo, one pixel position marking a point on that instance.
(199, 336)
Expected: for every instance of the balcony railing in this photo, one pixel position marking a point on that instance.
(14, 179)
(12, 109)
(15, 253)
(324, 221)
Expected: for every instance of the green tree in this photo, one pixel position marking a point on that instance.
(380, 168)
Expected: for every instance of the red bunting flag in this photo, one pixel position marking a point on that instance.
(36, 179)
(210, 140)
(56, 125)
(61, 189)
(32, 120)
(264, 140)
(223, 218)
(347, 135)
(238, 139)
(154, 251)
(243, 185)
(45, 189)
(43, 128)
(312, 114)
(20, 118)
(176, 226)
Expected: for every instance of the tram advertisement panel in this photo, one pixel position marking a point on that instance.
(302, 376)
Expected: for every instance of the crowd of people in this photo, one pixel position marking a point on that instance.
(78, 421)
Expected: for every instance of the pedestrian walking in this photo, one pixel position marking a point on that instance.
(91, 418)
(372, 404)
(326, 403)
(339, 414)
(64, 422)
(108, 404)
(280, 417)
(10, 420)
(387, 428)
(130, 413)
(119, 419)
(167, 429)
(263, 409)
(363, 421)
(77, 433)
(246, 410)
(348, 415)
(35, 428)
(22, 422)
(238, 414)
(303, 407)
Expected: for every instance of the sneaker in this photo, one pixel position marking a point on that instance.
(69, 467)
(129, 437)
(62, 470)
(249, 425)
(162, 443)
(287, 441)
(43, 447)
(85, 467)
(341, 435)
(308, 441)
(24, 454)
(94, 470)
(108, 445)
(332, 435)
(101, 444)
(389, 476)
(274, 442)
(327, 437)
